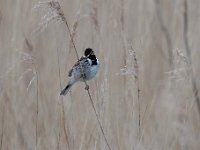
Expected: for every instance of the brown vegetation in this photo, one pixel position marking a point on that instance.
(145, 95)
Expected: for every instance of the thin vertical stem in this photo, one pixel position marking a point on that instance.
(36, 130)
(62, 117)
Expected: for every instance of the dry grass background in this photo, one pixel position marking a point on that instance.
(143, 105)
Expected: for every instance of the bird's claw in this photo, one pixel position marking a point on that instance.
(87, 87)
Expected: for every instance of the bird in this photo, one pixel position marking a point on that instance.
(84, 69)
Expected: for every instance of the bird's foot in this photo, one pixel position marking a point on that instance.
(87, 87)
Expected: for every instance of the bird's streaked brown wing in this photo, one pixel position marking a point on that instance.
(76, 64)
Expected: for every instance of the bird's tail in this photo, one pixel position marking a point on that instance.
(66, 89)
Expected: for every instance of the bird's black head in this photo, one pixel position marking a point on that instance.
(93, 59)
(88, 52)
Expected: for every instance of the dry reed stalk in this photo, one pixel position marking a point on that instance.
(55, 6)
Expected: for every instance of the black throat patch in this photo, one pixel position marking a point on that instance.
(94, 59)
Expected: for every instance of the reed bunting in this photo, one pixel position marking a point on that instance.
(85, 69)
